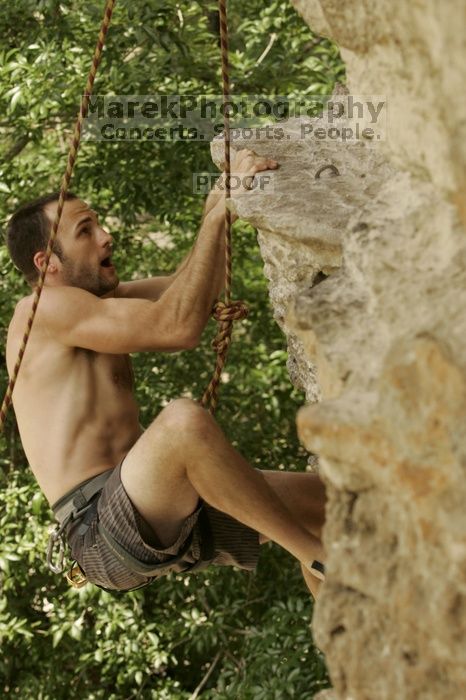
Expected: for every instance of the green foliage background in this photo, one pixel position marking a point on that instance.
(158, 642)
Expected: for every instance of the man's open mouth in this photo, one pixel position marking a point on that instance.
(107, 262)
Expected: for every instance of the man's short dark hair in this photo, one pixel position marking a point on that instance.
(28, 231)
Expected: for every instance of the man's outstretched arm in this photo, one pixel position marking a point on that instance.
(199, 283)
(77, 318)
(244, 163)
(152, 288)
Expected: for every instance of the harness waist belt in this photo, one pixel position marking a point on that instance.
(79, 496)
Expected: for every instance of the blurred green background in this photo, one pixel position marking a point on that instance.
(252, 630)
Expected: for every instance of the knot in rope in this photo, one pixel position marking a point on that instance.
(231, 311)
(226, 314)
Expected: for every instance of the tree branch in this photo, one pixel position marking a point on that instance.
(196, 692)
(273, 36)
(16, 148)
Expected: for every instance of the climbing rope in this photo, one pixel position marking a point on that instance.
(225, 312)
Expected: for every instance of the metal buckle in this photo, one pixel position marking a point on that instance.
(75, 576)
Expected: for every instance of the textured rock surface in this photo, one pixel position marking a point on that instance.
(367, 274)
(301, 221)
(413, 52)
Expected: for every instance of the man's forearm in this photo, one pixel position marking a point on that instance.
(216, 194)
(212, 201)
(199, 280)
(202, 272)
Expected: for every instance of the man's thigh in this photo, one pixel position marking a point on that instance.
(155, 480)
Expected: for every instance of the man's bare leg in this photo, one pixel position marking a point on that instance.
(304, 495)
(311, 582)
(183, 455)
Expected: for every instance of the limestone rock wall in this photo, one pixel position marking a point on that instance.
(367, 271)
(414, 52)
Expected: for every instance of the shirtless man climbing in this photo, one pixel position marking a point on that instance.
(136, 504)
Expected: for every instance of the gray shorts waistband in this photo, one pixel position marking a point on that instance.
(79, 496)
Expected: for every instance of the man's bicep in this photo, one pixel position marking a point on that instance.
(151, 288)
(77, 318)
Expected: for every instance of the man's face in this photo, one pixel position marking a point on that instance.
(83, 246)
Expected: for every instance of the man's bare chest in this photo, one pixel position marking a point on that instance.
(101, 384)
(116, 369)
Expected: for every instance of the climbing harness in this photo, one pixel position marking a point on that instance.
(75, 509)
(70, 508)
(225, 312)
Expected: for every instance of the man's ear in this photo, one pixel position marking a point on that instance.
(39, 258)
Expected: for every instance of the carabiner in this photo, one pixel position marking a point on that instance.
(55, 535)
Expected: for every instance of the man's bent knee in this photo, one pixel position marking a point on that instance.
(185, 417)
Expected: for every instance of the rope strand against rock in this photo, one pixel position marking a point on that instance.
(224, 312)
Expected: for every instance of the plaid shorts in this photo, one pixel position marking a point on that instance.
(232, 543)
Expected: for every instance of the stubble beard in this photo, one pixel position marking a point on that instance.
(87, 279)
